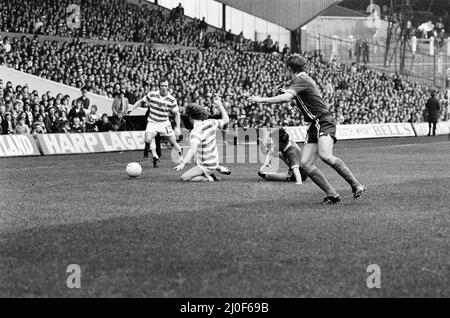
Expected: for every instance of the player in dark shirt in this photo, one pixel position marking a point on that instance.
(288, 151)
(321, 134)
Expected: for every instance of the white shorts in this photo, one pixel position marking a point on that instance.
(207, 170)
(164, 128)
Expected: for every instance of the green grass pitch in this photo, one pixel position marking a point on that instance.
(241, 237)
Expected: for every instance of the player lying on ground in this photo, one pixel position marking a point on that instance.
(203, 144)
(287, 150)
(160, 104)
(321, 134)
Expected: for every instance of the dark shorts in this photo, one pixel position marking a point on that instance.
(324, 126)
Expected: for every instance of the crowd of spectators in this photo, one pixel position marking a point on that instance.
(23, 111)
(116, 20)
(356, 94)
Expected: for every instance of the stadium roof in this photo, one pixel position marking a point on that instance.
(338, 11)
(290, 14)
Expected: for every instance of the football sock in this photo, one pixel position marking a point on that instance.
(147, 149)
(345, 172)
(318, 178)
(157, 143)
(153, 150)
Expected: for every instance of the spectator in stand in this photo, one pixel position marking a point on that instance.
(229, 36)
(92, 119)
(177, 12)
(7, 45)
(38, 125)
(29, 114)
(22, 128)
(276, 48)
(105, 125)
(119, 109)
(77, 126)
(439, 26)
(50, 121)
(65, 129)
(286, 50)
(268, 44)
(358, 50)
(365, 52)
(7, 125)
(85, 102)
(76, 111)
(202, 26)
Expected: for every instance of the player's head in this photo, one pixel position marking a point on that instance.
(196, 112)
(163, 86)
(295, 64)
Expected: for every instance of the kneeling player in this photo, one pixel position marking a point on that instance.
(288, 151)
(203, 145)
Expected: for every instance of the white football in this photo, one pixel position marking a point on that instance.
(133, 169)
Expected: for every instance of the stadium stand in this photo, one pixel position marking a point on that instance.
(356, 94)
(22, 110)
(115, 20)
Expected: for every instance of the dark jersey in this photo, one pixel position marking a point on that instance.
(308, 97)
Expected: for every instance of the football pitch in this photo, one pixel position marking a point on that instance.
(241, 237)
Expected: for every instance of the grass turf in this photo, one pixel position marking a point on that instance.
(242, 237)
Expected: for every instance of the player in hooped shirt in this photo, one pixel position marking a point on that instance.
(321, 134)
(203, 145)
(161, 103)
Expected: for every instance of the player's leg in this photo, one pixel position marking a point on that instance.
(158, 145)
(150, 135)
(297, 175)
(195, 174)
(147, 150)
(274, 176)
(173, 142)
(150, 139)
(223, 170)
(178, 155)
(309, 156)
(325, 150)
(434, 128)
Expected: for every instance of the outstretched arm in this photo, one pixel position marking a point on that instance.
(285, 97)
(136, 105)
(187, 158)
(225, 118)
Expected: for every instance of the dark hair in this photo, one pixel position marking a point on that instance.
(296, 63)
(197, 112)
(163, 79)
